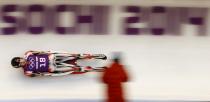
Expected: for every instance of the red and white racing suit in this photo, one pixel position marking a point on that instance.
(52, 66)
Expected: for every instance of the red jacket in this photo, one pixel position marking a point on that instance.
(113, 77)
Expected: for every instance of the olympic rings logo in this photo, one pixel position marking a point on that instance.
(32, 63)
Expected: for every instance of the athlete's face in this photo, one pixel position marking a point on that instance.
(22, 62)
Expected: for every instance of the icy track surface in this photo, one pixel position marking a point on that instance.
(160, 67)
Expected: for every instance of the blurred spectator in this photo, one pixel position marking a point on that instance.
(113, 78)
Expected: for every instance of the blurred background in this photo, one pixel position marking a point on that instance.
(165, 46)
